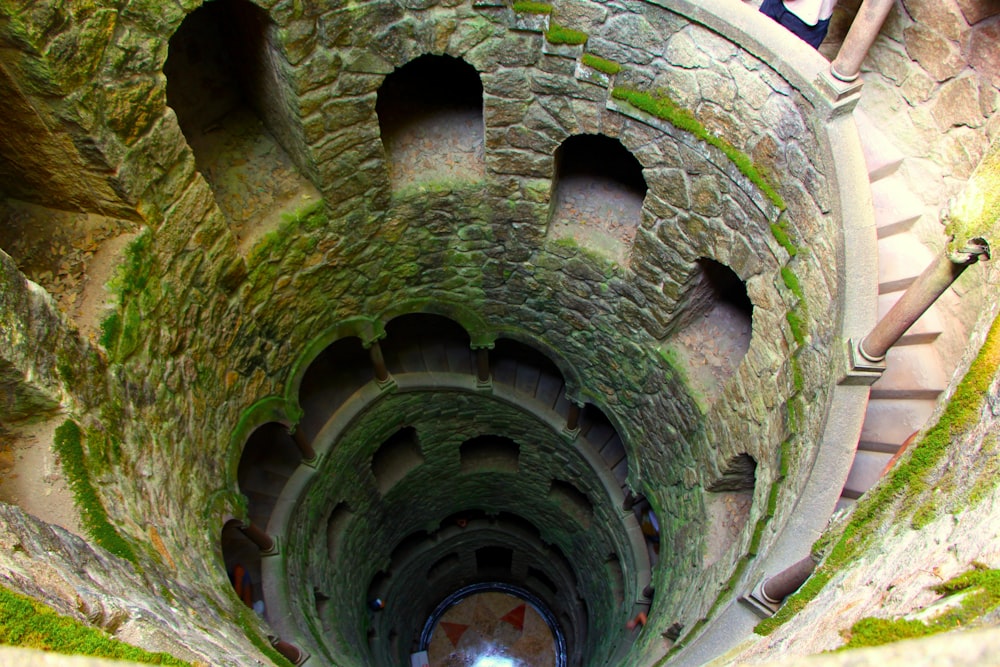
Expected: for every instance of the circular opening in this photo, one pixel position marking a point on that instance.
(493, 625)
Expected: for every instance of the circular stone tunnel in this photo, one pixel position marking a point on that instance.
(420, 309)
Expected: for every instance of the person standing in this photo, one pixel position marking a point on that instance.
(806, 19)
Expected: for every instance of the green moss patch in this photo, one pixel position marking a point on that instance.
(30, 624)
(667, 109)
(528, 7)
(557, 34)
(981, 594)
(609, 67)
(69, 446)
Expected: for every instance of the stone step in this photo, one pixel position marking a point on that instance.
(881, 156)
(882, 447)
(912, 367)
(896, 208)
(890, 420)
(866, 470)
(900, 258)
(926, 338)
(929, 324)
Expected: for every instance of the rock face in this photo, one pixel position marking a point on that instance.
(87, 583)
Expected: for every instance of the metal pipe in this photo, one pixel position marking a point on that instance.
(777, 588)
(921, 295)
(864, 29)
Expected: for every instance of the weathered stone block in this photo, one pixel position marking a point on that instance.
(941, 57)
(983, 54)
(958, 103)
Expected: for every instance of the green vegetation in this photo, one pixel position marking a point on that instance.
(30, 624)
(667, 109)
(894, 497)
(69, 446)
(529, 7)
(248, 623)
(798, 325)
(783, 237)
(134, 285)
(609, 67)
(792, 282)
(557, 34)
(980, 588)
(976, 210)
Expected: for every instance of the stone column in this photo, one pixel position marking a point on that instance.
(573, 418)
(482, 365)
(777, 588)
(931, 284)
(263, 541)
(860, 38)
(302, 442)
(378, 361)
(290, 651)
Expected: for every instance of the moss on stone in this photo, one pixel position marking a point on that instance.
(529, 7)
(557, 34)
(975, 212)
(30, 624)
(781, 234)
(609, 67)
(248, 623)
(664, 108)
(798, 326)
(792, 282)
(68, 444)
(980, 590)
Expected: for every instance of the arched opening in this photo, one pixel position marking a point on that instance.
(489, 453)
(225, 84)
(597, 194)
(598, 430)
(530, 372)
(424, 342)
(242, 561)
(430, 114)
(395, 458)
(332, 377)
(268, 460)
(728, 501)
(714, 334)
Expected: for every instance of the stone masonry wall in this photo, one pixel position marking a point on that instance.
(437, 489)
(206, 332)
